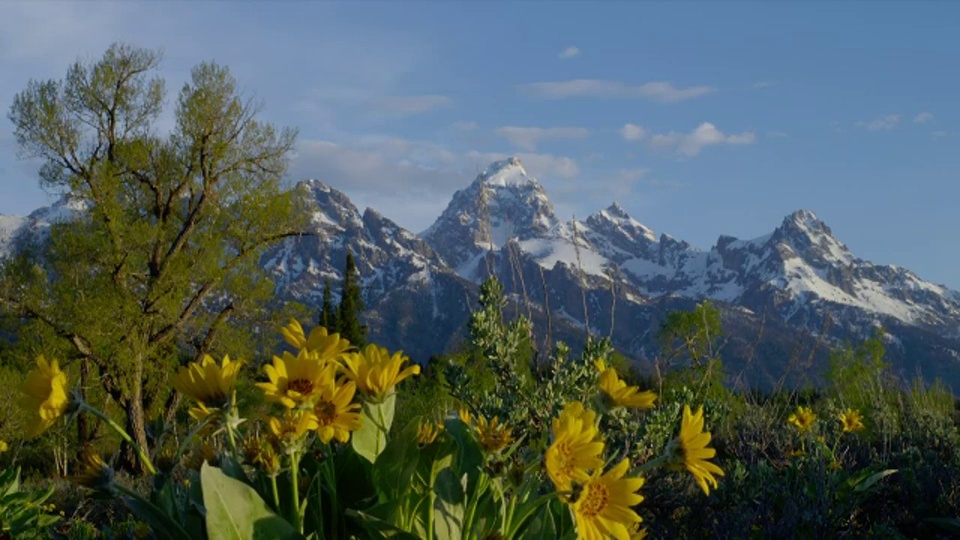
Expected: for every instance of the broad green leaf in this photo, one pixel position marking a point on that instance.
(163, 524)
(393, 472)
(376, 528)
(449, 505)
(371, 439)
(863, 484)
(236, 512)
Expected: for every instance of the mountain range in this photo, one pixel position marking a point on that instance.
(786, 298)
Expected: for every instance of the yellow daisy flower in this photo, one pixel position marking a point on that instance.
(4, 446)
(428, 432)
(376, 372)
(206, 382)
(851, 420)
(336, 415)
(493, 435)
(692, 451)
(618, 394)
(45, 396)
(294, 380)
(293, 426)
(94, 473)
(603, 507)
(576, 448)
(319, 343)
(465, 416)
(803, 419)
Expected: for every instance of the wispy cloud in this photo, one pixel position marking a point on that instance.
(410, 180)
(765, 84)
(939, 134)
(410, 105)
(527, 138)
(923, 118)
(568, 53)
(633, 132)
(661, 91)
(777, 134)
(687, 144)
(884, 123)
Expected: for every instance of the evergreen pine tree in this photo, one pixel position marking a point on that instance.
(351, 304)
(328, 315)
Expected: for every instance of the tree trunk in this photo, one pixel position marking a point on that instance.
(136, 421)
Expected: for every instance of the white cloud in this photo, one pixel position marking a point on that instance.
(884, 123)
(541, 166)
(922, 118)
(527, 138)
(409, 181)
(409, 105)
(765, 84)
(939, 134)
(690, 144)
(569, 52)
(633, 132)
(660, 91)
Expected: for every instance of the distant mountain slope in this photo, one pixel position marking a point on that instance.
(786, 297)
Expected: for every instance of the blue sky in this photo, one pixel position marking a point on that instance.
(699, 119)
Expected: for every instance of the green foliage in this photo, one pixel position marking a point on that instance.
(351, 305)
(234, 511)
(328, 316)
(371, 439)
(162, 265)
(23, 514)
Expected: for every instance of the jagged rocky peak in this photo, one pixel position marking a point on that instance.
(503, 202)
(329, 207)
(622, 222)
(810, 238)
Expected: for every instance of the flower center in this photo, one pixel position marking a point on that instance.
(301, 386)
(325, 411)
(593, 500)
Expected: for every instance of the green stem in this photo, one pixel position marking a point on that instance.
(276, 494)
(660, 461)
(332, 479)
(295, 490)
(141, 454)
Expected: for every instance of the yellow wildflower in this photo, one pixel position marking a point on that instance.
(693, 453)
(616, 392)
(428, 432)
(319, 343)
(4, 446)
(576, 448)
(45, 396)
(293, 426)
(206, 382)
(493, 435)
(94, 473)
(376, 372)
(465, 416)
(603, 507)
(637, 532)
(803, 419)
(336, 415)
(850, 420)
(294, 380)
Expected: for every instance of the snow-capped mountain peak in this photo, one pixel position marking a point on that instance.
(503, 203)
(507, 173)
